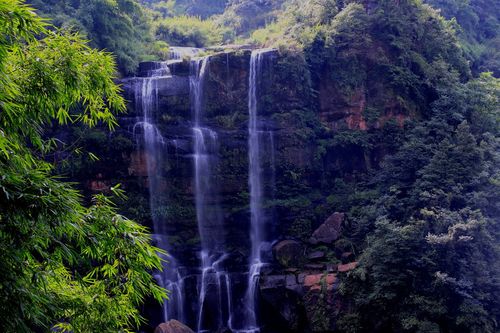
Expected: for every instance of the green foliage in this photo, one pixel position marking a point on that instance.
(479, 30)
(66, 72)
(61, 260)
(198, 8)
(63, 266)
(118, 26)
(244, 16)
(320, 320)
(189, 31)
(428, 260)
(397, 46)
(425, 218)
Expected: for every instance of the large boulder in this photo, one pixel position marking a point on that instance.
(173, 326)
(329, 231)
(289, 253)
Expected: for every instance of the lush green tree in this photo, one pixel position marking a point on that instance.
(190, 31)
(479, 22)
(429, 253)
(426, 218)
(197, 8)
(244, 16)
(118, 26)
(63, 266)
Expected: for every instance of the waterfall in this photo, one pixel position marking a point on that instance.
(255, 182)
(208, 213)
(146, 96)
(205, 295)
(179, 52)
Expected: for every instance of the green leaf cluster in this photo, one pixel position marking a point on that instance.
(122, 27)
(190, 31)
(430, 238)
(64, 266)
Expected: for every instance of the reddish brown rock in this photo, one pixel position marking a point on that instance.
(138, 164)
(173, 326)
(313, 282)
(340, 111)
(98, 186)
(329, 231)
(347, 267)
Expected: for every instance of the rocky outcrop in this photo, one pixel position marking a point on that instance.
(347, 267)
(289, 253)
(167, 86)
(329, 231)
(316, 255)
(138, 164)
(339, 111)
(173, 326)
(317, 281)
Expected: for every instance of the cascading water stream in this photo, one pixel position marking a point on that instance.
(146, 96)
(179, 52)
(255, 182)
(208, 214)
(209, 306)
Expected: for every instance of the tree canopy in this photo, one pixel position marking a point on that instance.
(122, 27)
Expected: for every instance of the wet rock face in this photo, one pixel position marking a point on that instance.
(300, 302)
(173, 326)
(329, 231)
(172, 85)
(284, 310)
(138, 164)
(301, 271)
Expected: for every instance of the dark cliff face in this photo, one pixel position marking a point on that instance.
(313, 142)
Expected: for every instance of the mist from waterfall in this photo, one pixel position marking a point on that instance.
(146, 96)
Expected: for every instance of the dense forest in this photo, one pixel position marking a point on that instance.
(273, 166)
